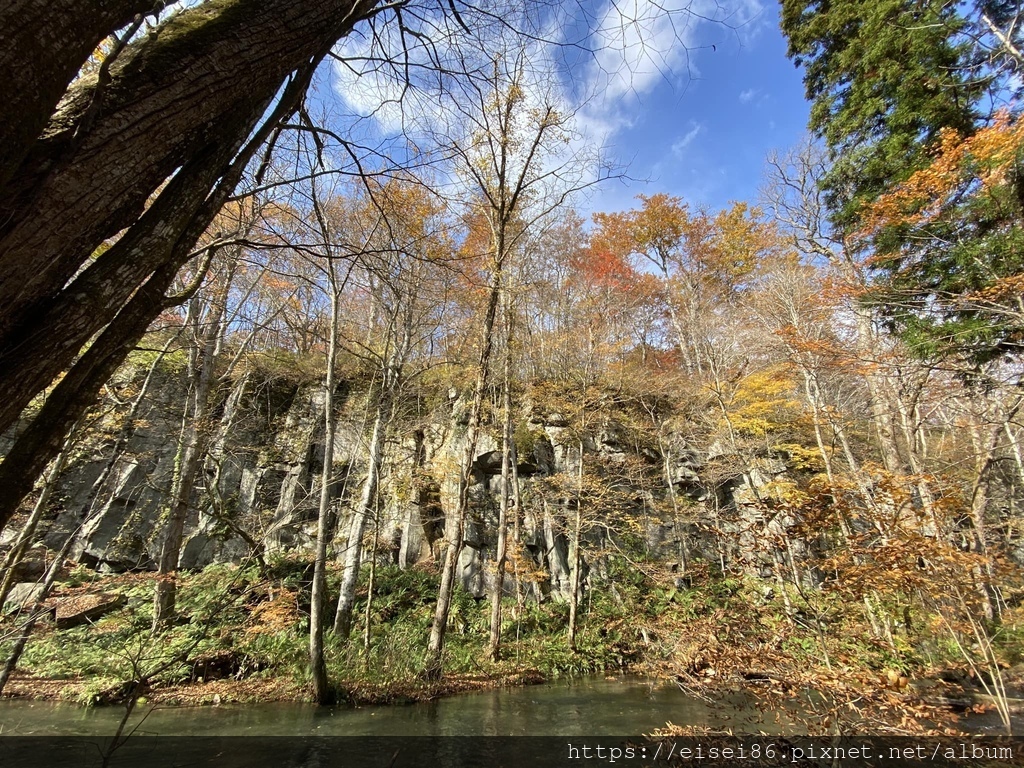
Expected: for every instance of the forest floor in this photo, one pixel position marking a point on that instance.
(265, 690)
(240, 639)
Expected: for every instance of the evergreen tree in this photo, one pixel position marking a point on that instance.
(884, 77)
(899, 88)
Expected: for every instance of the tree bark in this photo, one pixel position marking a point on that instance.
(57, 37)
(201, 80)
(71, 397)
(155, 251)
(367, 500)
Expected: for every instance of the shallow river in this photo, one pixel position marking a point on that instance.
(564, 715)
(592, 707)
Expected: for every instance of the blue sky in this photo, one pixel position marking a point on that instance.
(704, 137)
(687, 97)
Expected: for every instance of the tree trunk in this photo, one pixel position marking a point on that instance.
(191, 449)
(456, 522)
(17, 552)
(179, 104)
(26, 632)
(322, 692)
(577, 556)
(371, 586)
(868, 347)
(43, 44)
(202, 79)
(507, 451)
(985, 441)
(367, 501)
(41, 440)
(155, 248)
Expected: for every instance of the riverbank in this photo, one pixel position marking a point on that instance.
(253, 691)
(240, 637)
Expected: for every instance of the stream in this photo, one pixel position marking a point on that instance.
(590, 706)
(479, 730)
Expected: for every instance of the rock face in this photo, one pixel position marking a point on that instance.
(21, 596)
(259, 486)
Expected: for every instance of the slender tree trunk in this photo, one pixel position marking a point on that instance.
(191, 453)
(1014, 442)
(322, 692)
(371, 585)
(985, 443)
(317, 665)
(507, 450)
(367, 501)
(914, 440)
(26, 632)
(21, 545)
(666, 464)
(577, 555)
(455, 523)
(867, 349)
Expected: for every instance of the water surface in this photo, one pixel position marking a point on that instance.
(591, 707)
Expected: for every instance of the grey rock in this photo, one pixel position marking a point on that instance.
(21, 596)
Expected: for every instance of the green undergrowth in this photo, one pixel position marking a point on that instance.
(248, 624)
(245, 623)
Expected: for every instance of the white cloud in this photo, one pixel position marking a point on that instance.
(748, 95)
(639, 43)
(679, 145)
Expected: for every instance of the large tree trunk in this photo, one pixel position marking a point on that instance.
(204, 76)
(163, 237)
(178, 105)
(41, 440)
(57, 37)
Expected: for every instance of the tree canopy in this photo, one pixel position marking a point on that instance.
(923, 159)
(128, 126)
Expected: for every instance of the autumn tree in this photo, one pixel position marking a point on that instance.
(881, 76)
(898, 90)
(513, 130)
(948, 241)
(98, 218)
(333, 253)
(702, 260)
(407, 249)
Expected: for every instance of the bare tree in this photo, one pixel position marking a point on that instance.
(507, 156)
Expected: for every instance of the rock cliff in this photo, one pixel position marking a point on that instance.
(261, 477)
